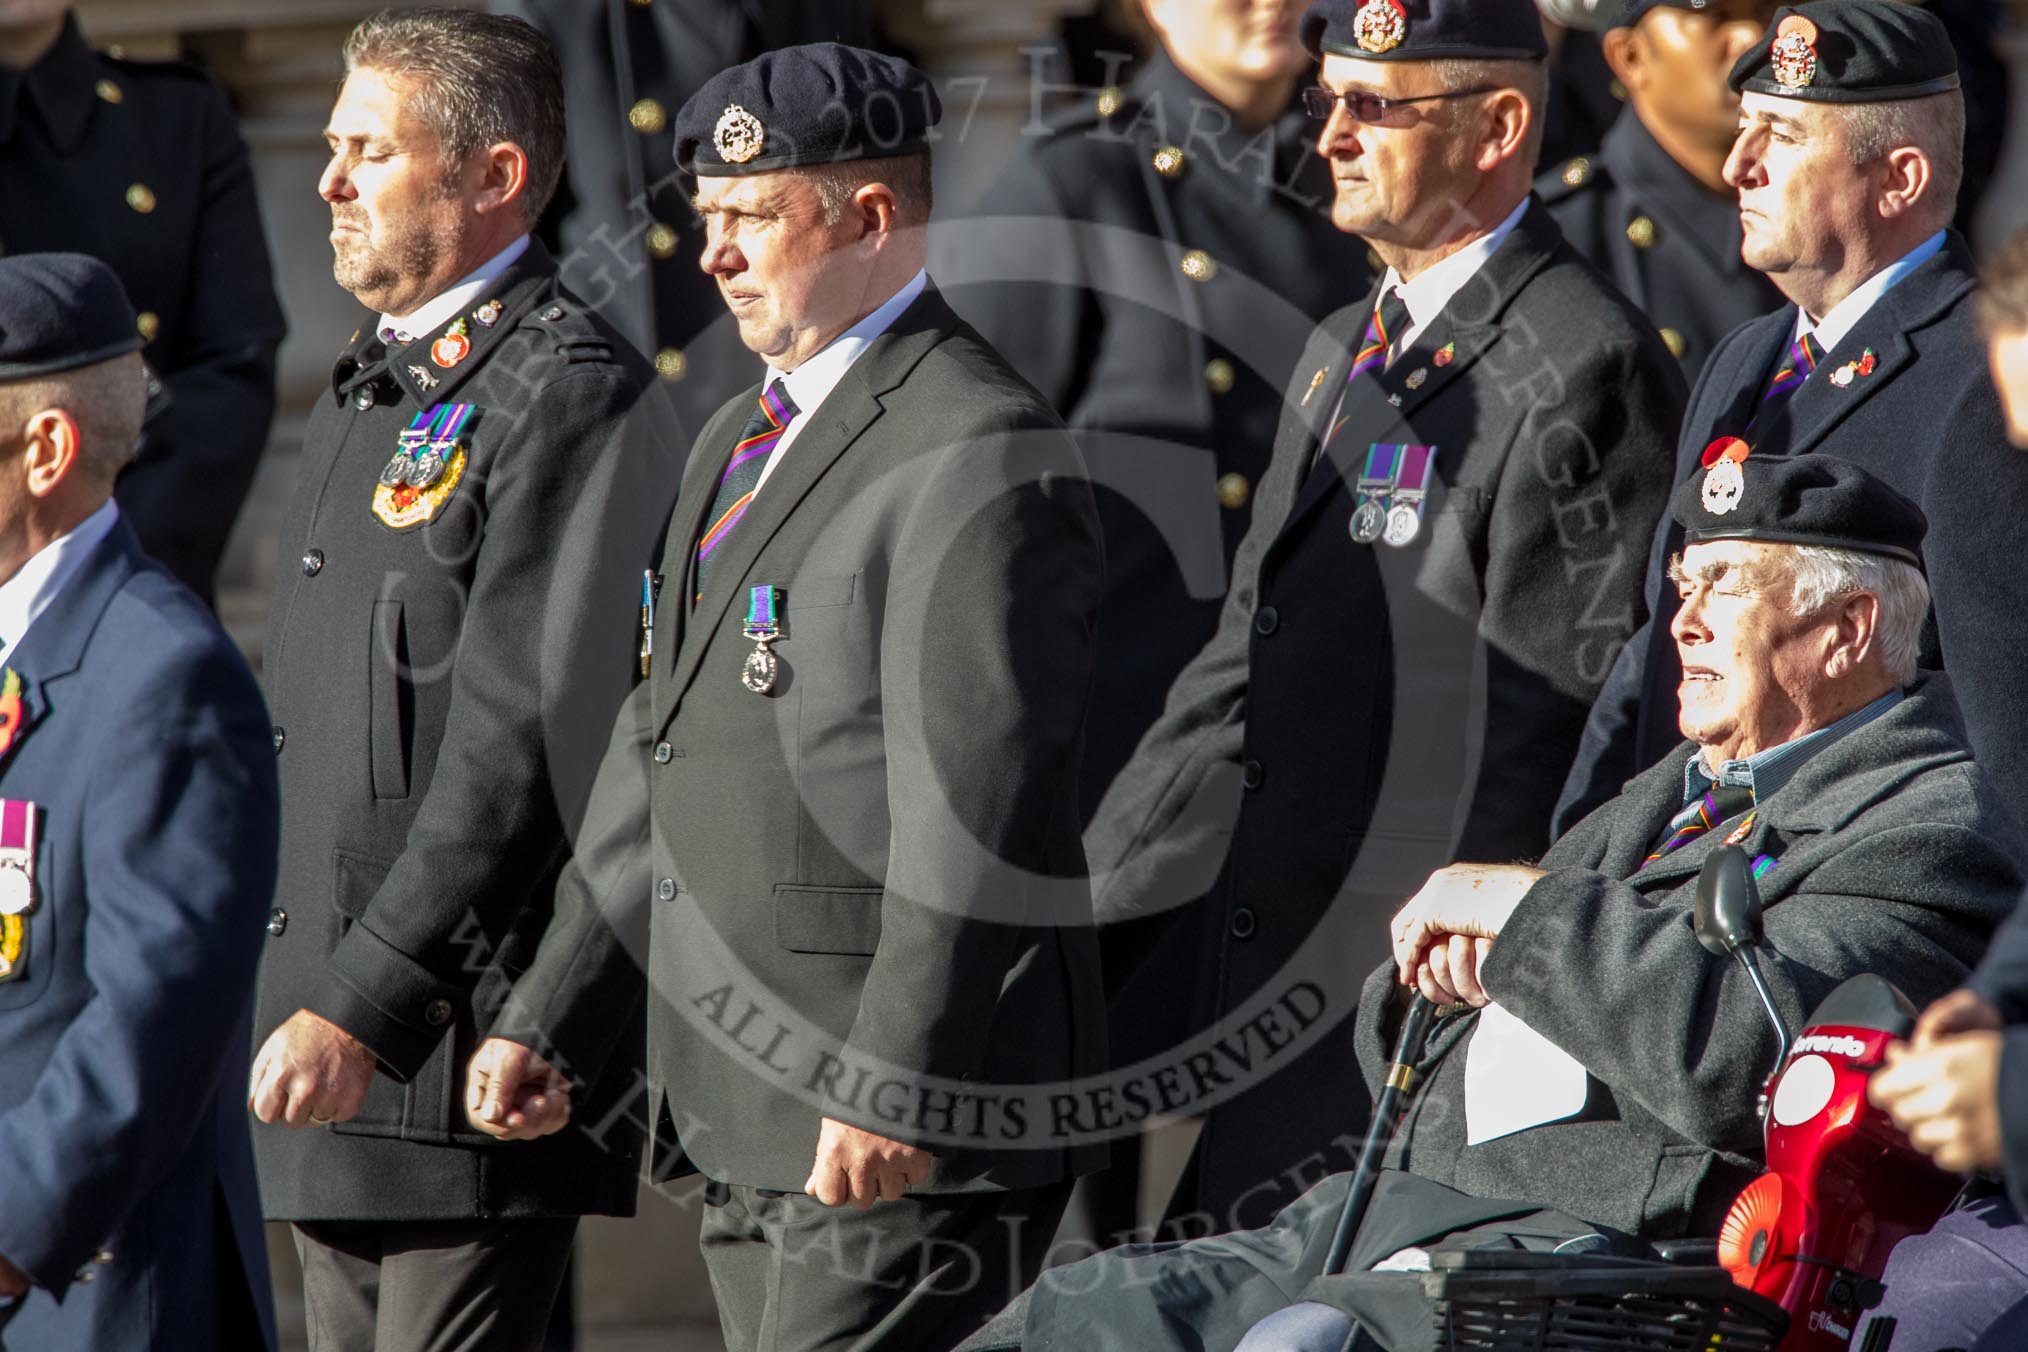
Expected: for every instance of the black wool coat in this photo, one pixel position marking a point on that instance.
(440, 691)
(1366, 714)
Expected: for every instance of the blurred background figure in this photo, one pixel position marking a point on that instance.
(142, 165)
(621, 224)
(1651, 208)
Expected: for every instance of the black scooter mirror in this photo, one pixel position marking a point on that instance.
(1727, 913)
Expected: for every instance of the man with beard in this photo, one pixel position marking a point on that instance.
(1651, 209)
(479, 491)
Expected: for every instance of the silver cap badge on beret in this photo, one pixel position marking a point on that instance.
(738, 136)
(1793, 57)
(1381, 25)
(1724, 484)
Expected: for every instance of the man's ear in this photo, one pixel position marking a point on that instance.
(1908, 181)
(52, 450)
(1508, 117)
(1627, 55)
(1858, 628)
(503, 178)
(879, 214)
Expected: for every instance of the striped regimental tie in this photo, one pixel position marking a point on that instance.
(1720, 804)
(757, 441)
(1389, 322)
(1796, 364)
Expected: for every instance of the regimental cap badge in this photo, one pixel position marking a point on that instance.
(739, 136)
(1793, 53)
(1724, 480)
(1380, 25)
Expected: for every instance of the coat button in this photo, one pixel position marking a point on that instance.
(1219, 376)
(1169, 162)
(1251, 774)
(279, 736)
(1641, 232)
(671, 364)
(278, 920)
(666, 889)
(109, 91)
(1243, 923)
(662, 241)
(647, 117)
(1197, 265)
(1233, 491)
(553, 313)
(364, 399)
(1673, 340)
(141, 198)
(663, 752)
(438, 1012)
(1266, 620)
(147, 324)
(1110, 100)
(103, 1257)
(313, 562)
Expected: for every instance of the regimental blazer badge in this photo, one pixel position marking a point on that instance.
(427, 465)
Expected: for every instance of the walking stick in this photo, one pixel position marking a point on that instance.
(1387, 1112)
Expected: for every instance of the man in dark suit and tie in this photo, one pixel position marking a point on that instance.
(138, 819)
(838, 824)
(1847, 167)
(1443, 561)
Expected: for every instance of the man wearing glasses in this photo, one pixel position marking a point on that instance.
(1444, 559)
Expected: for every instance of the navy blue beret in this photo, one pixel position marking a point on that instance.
(1627, 13)
(1850, 51)
(821, 103)
(1425, 30)
(60, 311)
(1798, 500)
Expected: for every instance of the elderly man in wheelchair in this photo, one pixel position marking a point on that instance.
(1597, 1087)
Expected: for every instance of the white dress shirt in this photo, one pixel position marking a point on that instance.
(1832, 328)
(35, 586)
(810, 383)
(1430, 290)
(462, 295)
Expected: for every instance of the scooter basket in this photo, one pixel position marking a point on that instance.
(1511, 1301)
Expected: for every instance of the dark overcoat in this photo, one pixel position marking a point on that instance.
(441, 689)
(1927, 421)
(130, 1184)
(1891, 858)
(864, 888)
(1671, 244)
(140, 164)
(1366, 714)
(1155, 270)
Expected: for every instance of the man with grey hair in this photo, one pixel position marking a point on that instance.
(1847, 168)
(1598, 1091)
(480, 488)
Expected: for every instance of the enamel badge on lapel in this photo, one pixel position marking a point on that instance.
(453, 347)
(1724, 480)
(1793, 53)
(1445, 355)
(1743, 830)
(428, 462)
(1416, 377)
(488, 314)
(1844, 375)
(424, 381)
(1380, 25)
(758, 675)
(1315, 381)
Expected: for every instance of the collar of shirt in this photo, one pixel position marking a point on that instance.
(810, 383)
(1432, 288)
(30, 591)
(1846, 314)
(1765, 772)
(460, 296)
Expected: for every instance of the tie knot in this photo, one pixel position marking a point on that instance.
(1391, 315)
(775, 401)
(1807, 352)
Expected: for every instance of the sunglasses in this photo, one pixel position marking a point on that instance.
(1319, 101)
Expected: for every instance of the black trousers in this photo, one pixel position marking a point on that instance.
(431, 1286)
(915, 1275)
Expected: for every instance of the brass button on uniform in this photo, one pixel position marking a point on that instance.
(148, 324)
(141, 198)
(102, 1257)
(671, 364)
(278, 920)
(1641, 232)
(313, 562)
(1674, 342)
(647, 117)
(1219, 375)
(1109, 100)
(1576, 172)
(109, 91)
(1169, 162)
(1233, 491)
(438, 1012)
(661, 240)
(1197, 266)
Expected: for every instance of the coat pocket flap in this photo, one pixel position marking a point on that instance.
(827, 919)
(355, 881)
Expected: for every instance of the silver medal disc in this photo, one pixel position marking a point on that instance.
(396, 471)
(426, 468)
(1368, 522)
(1404, 523)
(17, 890)
(758, 675)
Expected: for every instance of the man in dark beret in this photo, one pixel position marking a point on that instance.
(1599, 1091)
(138, 816)
(1442, 564)
(837, 826)
(482, 482)
(1847, 168)
(1651, 209)
(141, 163)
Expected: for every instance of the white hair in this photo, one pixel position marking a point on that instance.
(1818, 576)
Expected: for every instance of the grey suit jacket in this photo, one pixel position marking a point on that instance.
(864, 892)
(1889, 860)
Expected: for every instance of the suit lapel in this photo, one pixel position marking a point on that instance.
(54, 646)
(1758, 355)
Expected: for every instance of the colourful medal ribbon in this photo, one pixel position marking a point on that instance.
(1414, 475)
(17, 825)
(450, 423)
(1382, 460)
(760, 612)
